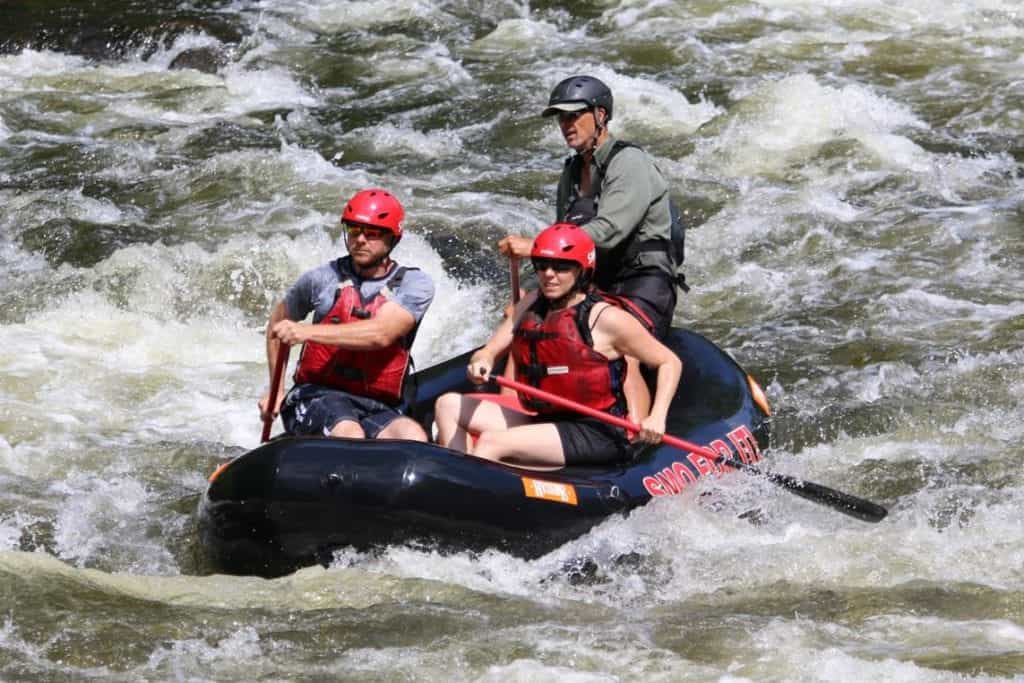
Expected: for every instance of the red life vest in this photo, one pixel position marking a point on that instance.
(378, 374)
(555, 352)
(626, 304)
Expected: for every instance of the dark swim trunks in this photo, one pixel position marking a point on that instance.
(587, 441)
(314, 410)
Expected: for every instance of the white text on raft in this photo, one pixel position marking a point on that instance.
(676, 477)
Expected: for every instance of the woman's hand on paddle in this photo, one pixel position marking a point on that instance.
(652, 428)
(479, 368)
(516, 245)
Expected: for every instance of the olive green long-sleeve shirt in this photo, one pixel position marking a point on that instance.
(634, 199)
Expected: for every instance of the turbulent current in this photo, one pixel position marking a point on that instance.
(851, 175)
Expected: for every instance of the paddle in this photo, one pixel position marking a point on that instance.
(513, 274)
(853, 506)
(513, 271)
(275, 386)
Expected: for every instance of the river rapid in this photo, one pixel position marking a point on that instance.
(851, 173)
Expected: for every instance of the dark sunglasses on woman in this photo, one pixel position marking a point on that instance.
(557, 265)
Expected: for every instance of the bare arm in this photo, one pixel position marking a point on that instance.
(391, 323)
(482, 362)
(628, 337)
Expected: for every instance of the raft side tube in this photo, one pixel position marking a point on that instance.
(291, 501)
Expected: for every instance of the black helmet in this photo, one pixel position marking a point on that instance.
(578, 93)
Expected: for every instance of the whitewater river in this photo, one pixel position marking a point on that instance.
(852, 176)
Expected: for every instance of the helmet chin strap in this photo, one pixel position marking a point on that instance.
(386, 258)
(591, 145)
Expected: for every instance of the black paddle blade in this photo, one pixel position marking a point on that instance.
(855, 507)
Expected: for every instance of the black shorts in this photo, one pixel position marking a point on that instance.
(587, 441)
(314, 410)
(655, 293)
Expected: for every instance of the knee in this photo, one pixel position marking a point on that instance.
(447, 406)
(403, 428)
(347, 429)
(488, 447)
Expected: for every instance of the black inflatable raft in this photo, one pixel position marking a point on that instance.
(291, 501)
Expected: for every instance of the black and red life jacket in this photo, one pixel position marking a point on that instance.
(626, 304)
(378, 374)
(554, 351)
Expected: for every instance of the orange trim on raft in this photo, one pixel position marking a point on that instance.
(220, 468)
(757, 393)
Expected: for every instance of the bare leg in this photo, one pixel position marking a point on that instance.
(536, 446)
(458, 416)
(447, 412)
(403, 428)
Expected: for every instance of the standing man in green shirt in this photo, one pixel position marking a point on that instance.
(615, 192)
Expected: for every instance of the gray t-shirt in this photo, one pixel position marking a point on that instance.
(315, 290)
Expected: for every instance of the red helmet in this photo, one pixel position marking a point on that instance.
(567, 242)
(376, 208)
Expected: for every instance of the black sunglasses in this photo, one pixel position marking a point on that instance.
(355, 230)
(564, 116)
(557, 265)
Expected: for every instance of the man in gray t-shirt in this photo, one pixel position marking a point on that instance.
(351, 377)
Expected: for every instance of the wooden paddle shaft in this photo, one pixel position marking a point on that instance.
(275, 386)
(513, 271)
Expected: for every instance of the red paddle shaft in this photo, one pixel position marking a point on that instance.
(601, 415)
(275, 386)
(855, 507)
(513, 270)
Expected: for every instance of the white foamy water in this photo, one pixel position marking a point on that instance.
(853, 173)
